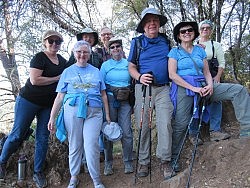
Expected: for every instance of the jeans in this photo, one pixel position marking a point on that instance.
(122, 115)
(25, 112)
(215, 119)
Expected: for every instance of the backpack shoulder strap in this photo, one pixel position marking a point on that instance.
(212, 48)
(138, 48)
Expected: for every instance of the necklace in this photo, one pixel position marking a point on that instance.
(53, 58)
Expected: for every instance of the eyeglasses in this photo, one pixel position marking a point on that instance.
(116, 46)
(82, 52)
(104, 34)
(186, 30)
(58, 42)
(207, 28)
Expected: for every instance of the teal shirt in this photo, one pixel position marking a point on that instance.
(115, 73)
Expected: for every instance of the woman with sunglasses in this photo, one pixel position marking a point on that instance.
(116, 75)
(191, 79)
(35, 100)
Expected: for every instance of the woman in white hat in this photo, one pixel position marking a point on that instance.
(116, 77)
(35, 100)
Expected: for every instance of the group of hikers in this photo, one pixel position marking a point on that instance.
(94, 87)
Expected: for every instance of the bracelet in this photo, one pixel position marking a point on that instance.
(140, 78)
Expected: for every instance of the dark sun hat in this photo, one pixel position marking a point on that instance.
(88, 30)
(176, 31)
(163, 19)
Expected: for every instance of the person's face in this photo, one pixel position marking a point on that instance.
(82, 55)
(151, 25)
(186, 34)
(106, 35)
(89, 37)
(53, 43)
(116, 49)
(205, 30)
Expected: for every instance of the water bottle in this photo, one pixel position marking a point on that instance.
(22, 161)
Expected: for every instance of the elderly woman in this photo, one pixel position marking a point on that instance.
(116, 75)
(81, 91)
(35, 100)
(187, 67)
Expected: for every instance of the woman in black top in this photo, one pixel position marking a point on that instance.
(36, 100)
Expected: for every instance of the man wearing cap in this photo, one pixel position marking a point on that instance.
(152, 69)
(35, 100)
(90, 36)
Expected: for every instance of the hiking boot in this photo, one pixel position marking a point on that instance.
(192, 140)
(40, 180)
(2, 171)
(108, 169)
(99, 186)
(176, 166)
(167, 170)
(142, 170)
(128, 168)
(73, 183)
(217, 136)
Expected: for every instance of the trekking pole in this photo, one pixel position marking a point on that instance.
(150, 130)
(140, 128)
(203, 102)
(184, 139)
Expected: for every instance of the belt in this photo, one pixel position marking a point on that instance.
(160, 85)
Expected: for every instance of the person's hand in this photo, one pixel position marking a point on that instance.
(146, 79)
(51, 126)
(108, 119)
(216, 79)
(207, 90)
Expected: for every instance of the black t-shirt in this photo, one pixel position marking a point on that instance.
(43, 95)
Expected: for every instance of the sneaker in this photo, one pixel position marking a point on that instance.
(128, 168)
(167, 170)
(2, 171)
(99, 186)
(142, 170)
(176, 166)
(192, 139)
(108, 169)
(40, 180)
(217, 136)
(73, 183)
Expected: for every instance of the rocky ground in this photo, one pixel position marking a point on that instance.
(224, 164)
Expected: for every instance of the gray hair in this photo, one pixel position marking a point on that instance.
(81, 43)
(206, 22)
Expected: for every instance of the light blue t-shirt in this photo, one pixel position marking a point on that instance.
(185, 65)
(87, 80)
(115, 73)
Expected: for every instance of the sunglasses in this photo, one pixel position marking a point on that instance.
(207, 28)
(58, 42)
(186, 30)
(113, 47)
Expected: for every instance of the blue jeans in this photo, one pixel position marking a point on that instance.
(215, 119)
(25, 112)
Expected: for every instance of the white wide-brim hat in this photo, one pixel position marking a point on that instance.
(112, 131)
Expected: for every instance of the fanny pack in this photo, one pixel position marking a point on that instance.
(119, 93)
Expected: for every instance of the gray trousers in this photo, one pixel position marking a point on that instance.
(84, 134)
(222, 91)
(122, 115)
(163, 107)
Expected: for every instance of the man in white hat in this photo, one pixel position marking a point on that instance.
(152, 69)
